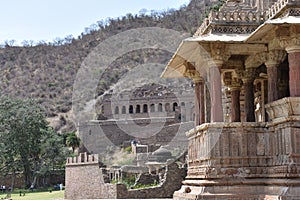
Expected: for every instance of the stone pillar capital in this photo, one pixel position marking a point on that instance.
(291, 45)
(232, 79)
(236, 84)
(191, 72)
(275, 57)
(197, 78)
(256, 60)
(249, 75)
(219, 54)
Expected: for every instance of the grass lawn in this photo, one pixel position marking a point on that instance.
(54, 195)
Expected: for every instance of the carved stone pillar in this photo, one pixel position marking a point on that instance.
(199, 110)
(216, 93)
(292, 46)
(235, 100)
(219, 55)
(294, 66)
(199, 100)
(275, 57)
(248, 79)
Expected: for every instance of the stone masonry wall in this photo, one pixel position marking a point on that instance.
(84, 179)
(97, 136)
(173, 180)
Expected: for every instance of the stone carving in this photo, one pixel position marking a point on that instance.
(254, 61)
(275, 57)
(291, 44)
(279, 6)
(219, 54)
(235, 14)
(286, 107)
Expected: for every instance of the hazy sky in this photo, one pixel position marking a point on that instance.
(47, 19)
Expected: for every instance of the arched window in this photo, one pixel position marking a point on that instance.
(138, 109)
(145, 108)
(124, 110)
(175, 105)
(130, 109)
(182, 104)
(117, 110)
(152, 108)
(160, 107)
(167, 107)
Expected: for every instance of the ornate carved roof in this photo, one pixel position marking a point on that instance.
(244, 17)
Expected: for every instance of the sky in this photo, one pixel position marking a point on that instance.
(48, 19)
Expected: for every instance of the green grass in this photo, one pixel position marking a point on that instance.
(54, 195)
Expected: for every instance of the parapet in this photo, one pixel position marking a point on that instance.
(83, 159)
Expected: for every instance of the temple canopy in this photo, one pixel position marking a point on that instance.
(193, 50)
(244, 61)
(263, 32)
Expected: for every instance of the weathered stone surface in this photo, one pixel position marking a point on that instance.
(283, 108)
(84, 180)
(246, 160)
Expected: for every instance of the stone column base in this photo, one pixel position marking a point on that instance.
(252, 189)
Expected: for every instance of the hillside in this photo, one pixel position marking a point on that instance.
(46, 72)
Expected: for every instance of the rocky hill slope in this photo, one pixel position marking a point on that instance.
(46, 72)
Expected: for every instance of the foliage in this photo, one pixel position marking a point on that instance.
(140, 186)
(27, 144)
(128, 149)
(128, 180)
(217, 6)
(72, 140)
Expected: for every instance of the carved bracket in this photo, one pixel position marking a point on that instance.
(219, 53)
(254, 61)
(275, 57)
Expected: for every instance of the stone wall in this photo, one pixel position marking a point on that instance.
(97, 136)
(84, 180)
(148, 103)
(173, 179)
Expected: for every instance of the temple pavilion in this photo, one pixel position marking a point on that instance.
(245, 63)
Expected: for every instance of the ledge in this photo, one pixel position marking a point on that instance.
(221, 125)
(288, 107)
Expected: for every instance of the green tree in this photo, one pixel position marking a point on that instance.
(72, 140)
(24, 139)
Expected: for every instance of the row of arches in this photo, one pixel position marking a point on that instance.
(145, 108)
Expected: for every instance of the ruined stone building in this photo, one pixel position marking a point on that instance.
(151, 114)
(246, 59)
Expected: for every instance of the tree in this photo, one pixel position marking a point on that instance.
(24, 136)
(72, 140)
(53, 152)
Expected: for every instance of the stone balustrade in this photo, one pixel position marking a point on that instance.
(241, 17)
(278, 6)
